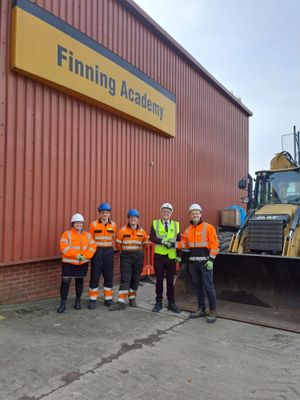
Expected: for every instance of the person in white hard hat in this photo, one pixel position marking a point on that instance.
(165, 233)
(200, 238)
(77, 248)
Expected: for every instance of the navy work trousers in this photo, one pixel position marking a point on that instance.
(203, 280)
(102, 264)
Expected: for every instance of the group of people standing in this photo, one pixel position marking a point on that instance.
(198, 247)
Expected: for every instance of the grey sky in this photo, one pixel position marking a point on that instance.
(253, 48)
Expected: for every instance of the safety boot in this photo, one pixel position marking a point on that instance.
(132, 302)
(212, 316)
(62, 307)
(157, 307)
(92, 304)
(119, 305)
(109, 302)
(172, 307)
(199, 313)
(77, 304)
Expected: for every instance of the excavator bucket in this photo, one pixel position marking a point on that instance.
(263, 290)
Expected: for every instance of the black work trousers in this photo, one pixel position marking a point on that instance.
(164, 267)
(102, 264)
(131, 264)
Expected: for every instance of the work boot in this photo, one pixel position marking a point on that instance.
(92, 304)
(109, 302)
(212, 316)
(132, 302)
(119, 305)
(62, 307)
(172, 307)
(77, 304)
(157, 307)
(199, 313)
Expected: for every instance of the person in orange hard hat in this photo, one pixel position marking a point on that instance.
(104, 232)
(77, 248)
(200, 238)
(165, 233)
(131, 240)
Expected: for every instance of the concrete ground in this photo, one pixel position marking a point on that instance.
(137, 354)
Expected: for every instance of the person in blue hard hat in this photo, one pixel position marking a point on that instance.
(103, 231)
(131, 240)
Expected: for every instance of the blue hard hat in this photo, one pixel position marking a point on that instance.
(104, 207)
(133, 213)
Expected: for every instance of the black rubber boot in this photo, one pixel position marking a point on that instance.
(132, 303)
(157, 307)
(109, 302)
(117, 306)
(172, 307)
(92, 304)
(62, 307)
(77, 304)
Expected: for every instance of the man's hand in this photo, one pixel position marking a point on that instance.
(178, 259)
(166, 243)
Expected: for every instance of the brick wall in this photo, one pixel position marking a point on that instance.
(35, 281)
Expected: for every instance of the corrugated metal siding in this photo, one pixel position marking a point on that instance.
(59, 155)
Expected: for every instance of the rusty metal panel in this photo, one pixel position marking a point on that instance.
(59, 155)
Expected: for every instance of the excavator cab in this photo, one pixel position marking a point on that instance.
(257, 277)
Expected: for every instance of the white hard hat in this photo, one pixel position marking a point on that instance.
(167, 205)
(77, 218)
(195, 207)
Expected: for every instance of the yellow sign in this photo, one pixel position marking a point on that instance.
(52, 51)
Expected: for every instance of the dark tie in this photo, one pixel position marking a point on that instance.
(166, 226)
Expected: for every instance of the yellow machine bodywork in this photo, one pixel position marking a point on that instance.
(291, 244)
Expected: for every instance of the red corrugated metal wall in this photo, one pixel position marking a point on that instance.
(59, 155)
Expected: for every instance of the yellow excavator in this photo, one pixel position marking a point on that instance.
(257, 278)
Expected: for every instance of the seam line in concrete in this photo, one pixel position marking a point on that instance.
(125, 348)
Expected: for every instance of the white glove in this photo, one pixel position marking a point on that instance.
(166, 243)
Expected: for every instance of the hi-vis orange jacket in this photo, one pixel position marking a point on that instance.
(129, 239)
(104, 234)
(201, 240)
(73, 243)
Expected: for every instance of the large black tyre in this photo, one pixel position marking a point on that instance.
(224, 240)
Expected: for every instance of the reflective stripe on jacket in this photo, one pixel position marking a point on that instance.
(73, 243)
(201, 239)
(162, 234)
(129, 239)
(104, 234)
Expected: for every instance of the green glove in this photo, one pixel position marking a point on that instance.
(80, 257)
(209, 265)
(166, 243)
(178, 259)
